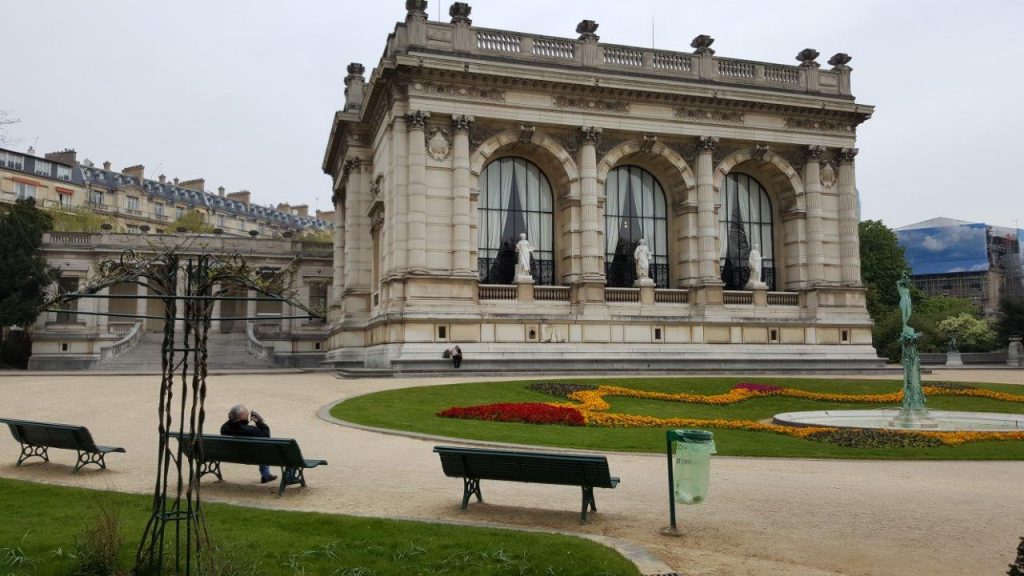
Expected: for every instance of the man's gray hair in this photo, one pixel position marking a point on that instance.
(236, 412)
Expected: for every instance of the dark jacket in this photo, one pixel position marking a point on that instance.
(240, 428)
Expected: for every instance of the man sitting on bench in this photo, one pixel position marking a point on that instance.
(238, 425)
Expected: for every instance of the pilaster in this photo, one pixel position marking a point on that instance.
(461, 125)
(399, 231)
(338, 269)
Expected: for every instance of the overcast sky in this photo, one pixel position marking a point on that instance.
(242, 92)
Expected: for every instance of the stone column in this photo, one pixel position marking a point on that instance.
(815, 240)
(460, 194)
(250, 306)
(103, 307)
(417, 190)
(591, 224)
(91, 305)
(182, 289)
(399, 232)
(215, 313)
(141, 304)
(338, 277)
(707, 223)
(849, 234)
(350, 243)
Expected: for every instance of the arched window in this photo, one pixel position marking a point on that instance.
(515, 198)
(634, 208)
(745, 222)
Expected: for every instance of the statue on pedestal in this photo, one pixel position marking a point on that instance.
(913, 413)
(642, 258)
(523, 250)
(754, 261)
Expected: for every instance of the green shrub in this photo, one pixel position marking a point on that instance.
(559, 389)
(972, 334)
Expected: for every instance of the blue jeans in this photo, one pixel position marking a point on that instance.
(264, 472)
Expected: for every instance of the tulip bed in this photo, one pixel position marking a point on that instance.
(632, 413)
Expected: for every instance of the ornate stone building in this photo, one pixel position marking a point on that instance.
(466, 138)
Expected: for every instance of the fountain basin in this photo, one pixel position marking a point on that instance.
(944, 420)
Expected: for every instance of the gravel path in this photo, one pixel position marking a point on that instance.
(797, 517)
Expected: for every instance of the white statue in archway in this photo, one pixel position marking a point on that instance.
(642, 258)
(754, 260)
(523, 250)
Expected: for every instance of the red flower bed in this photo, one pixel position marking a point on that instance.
(766, 388)
(528, 413)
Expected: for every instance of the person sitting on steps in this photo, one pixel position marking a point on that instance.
(457, 356)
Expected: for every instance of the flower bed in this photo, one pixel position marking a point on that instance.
(526, 413)
(588, 407)
(868, 438)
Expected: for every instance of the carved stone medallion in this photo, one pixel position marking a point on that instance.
(828, 175)
(438, 146)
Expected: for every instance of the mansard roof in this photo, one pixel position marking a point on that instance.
(172, 193)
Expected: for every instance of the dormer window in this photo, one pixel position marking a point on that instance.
(43, 168)
(12, 161)
(64, 172)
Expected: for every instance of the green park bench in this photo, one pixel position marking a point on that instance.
(476, 464)
(37, 438)
(283, 452)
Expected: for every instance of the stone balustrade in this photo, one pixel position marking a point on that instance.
(783, 299)
(741, 297)
(622, 294)
(667, 296)
(497, 292)
(211, 243)
(551, 293)
(539, 50)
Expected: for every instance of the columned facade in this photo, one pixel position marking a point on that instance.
(489, 198)
(96, 331)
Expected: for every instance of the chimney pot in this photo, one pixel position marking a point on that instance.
(163, 179)
(106, 165)
(136, 171)
(220, 191)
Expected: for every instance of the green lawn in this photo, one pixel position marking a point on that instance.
(415, 410)
(41, 525)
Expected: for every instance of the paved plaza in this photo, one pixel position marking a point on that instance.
(800, 517)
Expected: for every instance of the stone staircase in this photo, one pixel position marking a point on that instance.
(226, 352)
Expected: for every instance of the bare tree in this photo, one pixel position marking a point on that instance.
(6, 119)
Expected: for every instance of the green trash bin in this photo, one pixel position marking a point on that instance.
(692, 464)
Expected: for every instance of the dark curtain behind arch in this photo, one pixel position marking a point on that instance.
(745, 220)
(515, 198)
(634, 208)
